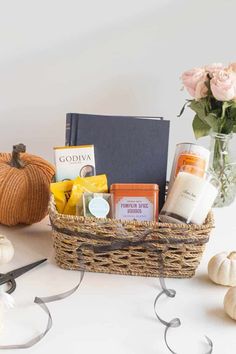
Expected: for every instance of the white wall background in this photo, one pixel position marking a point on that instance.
(103, 56)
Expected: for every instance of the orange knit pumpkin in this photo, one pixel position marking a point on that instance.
(24, 187)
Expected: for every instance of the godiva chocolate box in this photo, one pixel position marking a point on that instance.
(74, 161)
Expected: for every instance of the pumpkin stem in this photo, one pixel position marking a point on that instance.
(15, 158)
(232, 256)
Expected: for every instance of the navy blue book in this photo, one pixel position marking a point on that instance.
(127, 149)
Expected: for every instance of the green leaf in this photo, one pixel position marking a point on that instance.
(228, 126)
(212, 120)
(199, 107)
(200, 128)
(233, 113)
(234, 129)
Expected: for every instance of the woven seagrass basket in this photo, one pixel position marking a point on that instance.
(133, 248)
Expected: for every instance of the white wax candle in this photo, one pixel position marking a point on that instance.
(191, 198)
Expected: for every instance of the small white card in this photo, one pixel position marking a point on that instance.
(74, 161)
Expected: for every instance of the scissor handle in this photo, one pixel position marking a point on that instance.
(12, 285)
(9, 278)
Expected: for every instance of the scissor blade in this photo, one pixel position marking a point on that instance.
(19, 271)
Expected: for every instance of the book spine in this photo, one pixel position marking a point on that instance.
(74, 128)
(68, 129)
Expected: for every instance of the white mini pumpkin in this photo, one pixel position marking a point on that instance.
(6, 250)
(230, 302)
(222, 269)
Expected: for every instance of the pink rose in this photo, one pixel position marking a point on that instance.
(232, 67)
(192, 78)
(201, 89)
(223, 85)
(212, 68)
(194, 81)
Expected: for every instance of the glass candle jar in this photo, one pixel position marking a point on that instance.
(189, 154)
(222, 164)
(191, 196)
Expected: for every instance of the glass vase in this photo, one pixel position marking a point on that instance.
(222, 164)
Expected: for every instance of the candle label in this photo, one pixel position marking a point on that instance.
(191, 160)
(186, 194)
(134, 208)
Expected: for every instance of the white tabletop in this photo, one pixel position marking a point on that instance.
(113, 313)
